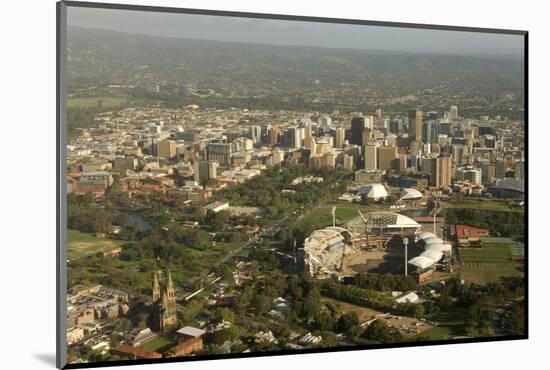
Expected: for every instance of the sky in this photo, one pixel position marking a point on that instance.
(281, 32)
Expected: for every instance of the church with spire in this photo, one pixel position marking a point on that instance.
(164, 302)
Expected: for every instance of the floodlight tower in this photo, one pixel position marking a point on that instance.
(435, 213)
(365, 220)
(406, 243)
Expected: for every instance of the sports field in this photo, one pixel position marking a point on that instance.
(321, 216)
(104, 101)
(81, 244)
(160, 344)
(490, 262)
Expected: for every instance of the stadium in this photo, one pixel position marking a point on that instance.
(371, 242)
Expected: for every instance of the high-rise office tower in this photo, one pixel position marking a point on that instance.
(357, 127)
(402, 163)
(348, 162)
(458, 153)
(470, 174)
(293, 137)
(255, 133)
(379, 113)
(415, 125)
(386, 156)
(366, 136)
(500, 168)
(488, 172)
(307, 130)
(427, 132)
(439, 169)
(205, 170)
(166, 148)
(324, 123)
(453, 112)
(274, 134)
(311, 144)
(339, 137)
(396, 125)
(444, 172)
(371, 158)
(369, 122)
(220, 151)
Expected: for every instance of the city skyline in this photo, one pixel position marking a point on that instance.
(232, 197)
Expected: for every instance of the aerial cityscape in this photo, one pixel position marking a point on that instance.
(229, 197)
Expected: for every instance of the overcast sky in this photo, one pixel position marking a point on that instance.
(279, 32)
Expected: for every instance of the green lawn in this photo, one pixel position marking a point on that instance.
(450, 325)
(81, 244)
(135, 275)
(517, 249)
(491, 205)
(160, 344)
(321, 216)
(106, 101)
(489, 263)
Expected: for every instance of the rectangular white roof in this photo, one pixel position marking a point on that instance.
(191, 331)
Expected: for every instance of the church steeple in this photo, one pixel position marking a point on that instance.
(156, 286)
(170, 286)
(164, 302)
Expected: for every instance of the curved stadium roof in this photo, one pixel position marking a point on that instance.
(421, 262)
(435, 255)
(509, 184)
(425, 235)
(433, 240)
(410, 194)
(390, 220)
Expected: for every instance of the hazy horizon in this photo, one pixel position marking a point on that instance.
(296, 33)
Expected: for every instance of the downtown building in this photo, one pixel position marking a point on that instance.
(439, 169)
(205, 170)
(415, 125)
(220, 151)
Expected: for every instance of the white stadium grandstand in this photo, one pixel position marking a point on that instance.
(324, 250)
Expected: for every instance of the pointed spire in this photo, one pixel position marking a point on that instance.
(156, 286)
(170, 284)
(155, 279)
(164, 300)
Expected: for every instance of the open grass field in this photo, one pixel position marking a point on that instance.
(159, 344)
(106, 101)
(81, 244)
(321, 216)
(363, 313)
(451, 324)
(489, 263)
(489, 205)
